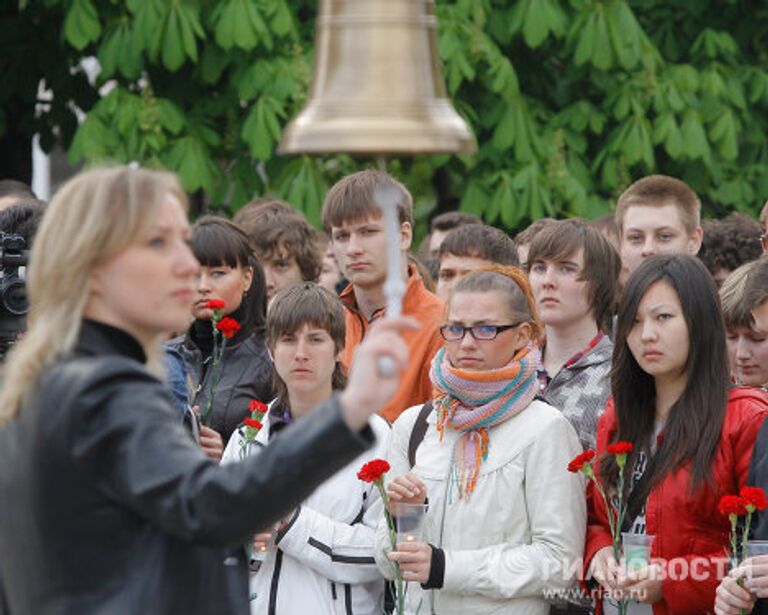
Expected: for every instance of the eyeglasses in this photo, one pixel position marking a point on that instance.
(454, 333)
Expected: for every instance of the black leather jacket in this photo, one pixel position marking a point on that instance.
(106, 506)
(246, 375)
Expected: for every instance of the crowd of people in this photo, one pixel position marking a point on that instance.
(152, 463)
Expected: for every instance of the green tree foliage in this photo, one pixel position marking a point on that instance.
(570, 100)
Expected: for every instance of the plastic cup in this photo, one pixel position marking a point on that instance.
(637, 549)
(409, 520)
(757, 547)
(260, 554)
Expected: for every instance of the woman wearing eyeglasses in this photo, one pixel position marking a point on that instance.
(505, 521)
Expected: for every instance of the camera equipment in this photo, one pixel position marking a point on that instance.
(13, 289)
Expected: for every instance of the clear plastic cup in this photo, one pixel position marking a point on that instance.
(260, 554)
(636, 549)
(409, 520)
(757, 547)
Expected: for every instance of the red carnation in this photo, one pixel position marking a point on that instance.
(754, 496)
(578, 462)
(620, 448)
(257, 407)
(373, 471)
(215, 304)
(732, 505)
(228, 327)
(252, 423)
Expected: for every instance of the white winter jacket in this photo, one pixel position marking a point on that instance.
(323, 563)
(521, 533)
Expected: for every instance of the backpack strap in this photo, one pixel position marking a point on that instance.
(418, 432)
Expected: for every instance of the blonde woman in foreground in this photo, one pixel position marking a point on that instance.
(106, 505)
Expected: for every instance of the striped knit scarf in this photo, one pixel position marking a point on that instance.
(474, 401)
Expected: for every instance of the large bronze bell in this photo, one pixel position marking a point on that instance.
(378, 85)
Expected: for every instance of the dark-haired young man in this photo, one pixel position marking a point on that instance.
(441, 225)
(356, 227)
(469, 248)
(574, 274)
(287, 246)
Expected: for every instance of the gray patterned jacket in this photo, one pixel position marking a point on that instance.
(580, 391)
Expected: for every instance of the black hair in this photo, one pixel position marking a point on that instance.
(730, 243)
(22, 219)
(453, 219)
(13, 187)
(694, 423)
(481, 241)
(217, 241)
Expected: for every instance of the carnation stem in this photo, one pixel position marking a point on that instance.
(216, 369)
(615, 520)
(399, 589)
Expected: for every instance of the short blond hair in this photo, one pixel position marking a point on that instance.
(657, 191)
(93, 217)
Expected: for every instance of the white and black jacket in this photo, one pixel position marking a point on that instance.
(324, 562)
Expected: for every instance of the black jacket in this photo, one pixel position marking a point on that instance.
(106, 506)
(246, 375)
(758, 477)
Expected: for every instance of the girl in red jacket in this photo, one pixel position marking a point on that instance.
(692, 440)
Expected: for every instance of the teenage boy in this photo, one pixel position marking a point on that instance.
(469, 248)
(443, 224)
(356, 227)
(574, 274)
(287, 246)
(657, 215)
(524, 238)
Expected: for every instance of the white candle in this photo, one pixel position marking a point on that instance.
(386, 196)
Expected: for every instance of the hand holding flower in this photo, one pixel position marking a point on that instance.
(755, 572)
(731, 598)
(746, 574)
(605, 569)
(408, 489)
(415, 559)
(641, 584)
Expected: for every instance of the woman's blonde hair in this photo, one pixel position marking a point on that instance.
(91, 218)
